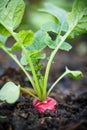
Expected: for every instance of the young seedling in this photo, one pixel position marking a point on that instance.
(64, 25)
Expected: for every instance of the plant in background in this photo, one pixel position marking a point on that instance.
(64, 25)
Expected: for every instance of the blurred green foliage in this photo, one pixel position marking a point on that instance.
(33, 18)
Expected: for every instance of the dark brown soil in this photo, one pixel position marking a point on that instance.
(71, 111)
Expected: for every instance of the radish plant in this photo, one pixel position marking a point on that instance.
(64, 25)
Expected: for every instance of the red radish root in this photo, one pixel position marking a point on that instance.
(42, 106)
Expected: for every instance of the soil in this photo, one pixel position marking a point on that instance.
(71, 95)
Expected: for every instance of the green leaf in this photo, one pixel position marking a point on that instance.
(66, 46)
(11, 13)
(74, 74)
(50, 26)
(40, 41)
(59, 13)
(3, 31)
(35, 56)
(9, 92)
(23, 37)
(78, 17)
